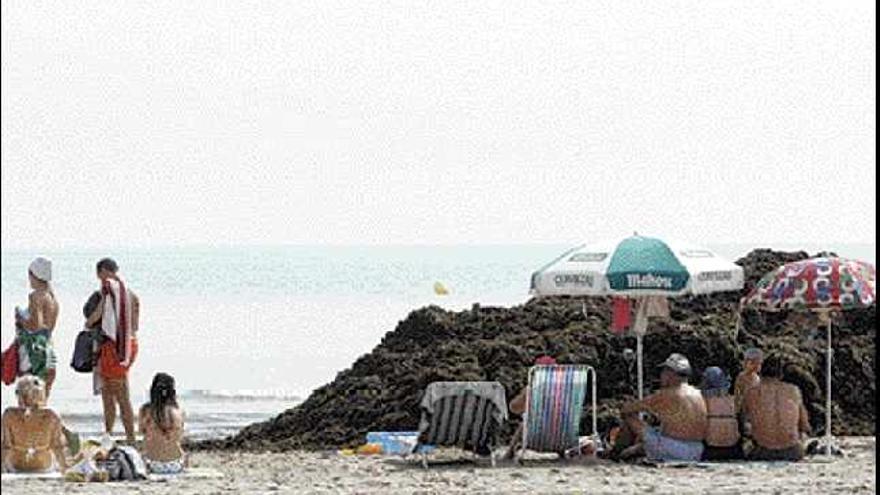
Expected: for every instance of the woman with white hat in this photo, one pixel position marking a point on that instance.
(35, 325)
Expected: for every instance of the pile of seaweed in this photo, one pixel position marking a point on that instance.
(382, 389)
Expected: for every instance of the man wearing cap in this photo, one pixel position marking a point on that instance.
(682, 414)
(34, 326)
(749, 377)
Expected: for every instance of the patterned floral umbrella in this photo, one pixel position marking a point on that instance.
(815, 284)
(823, 285)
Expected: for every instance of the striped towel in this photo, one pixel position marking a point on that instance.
(462, 414)
(556, 400)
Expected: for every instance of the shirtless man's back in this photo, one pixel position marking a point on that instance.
(777, 415)
(681, 410)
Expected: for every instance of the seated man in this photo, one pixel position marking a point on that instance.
(31, 434)
(682, 414)
(777, 415)
(722, 435)
(518, 406)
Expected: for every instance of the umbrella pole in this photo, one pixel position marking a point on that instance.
(828, 392)
(639, 364)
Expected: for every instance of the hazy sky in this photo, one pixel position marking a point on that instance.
(436, 122)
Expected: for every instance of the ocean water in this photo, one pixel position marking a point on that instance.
(249, 331)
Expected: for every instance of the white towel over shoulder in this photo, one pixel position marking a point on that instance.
(110, 316)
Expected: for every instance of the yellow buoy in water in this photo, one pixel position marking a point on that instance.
(439, 289)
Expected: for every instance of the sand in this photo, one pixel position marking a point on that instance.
(313, 472)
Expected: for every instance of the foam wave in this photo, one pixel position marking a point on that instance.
(239, 395)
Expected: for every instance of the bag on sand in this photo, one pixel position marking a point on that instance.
(124, 463)
(85, 352)
(9, 364)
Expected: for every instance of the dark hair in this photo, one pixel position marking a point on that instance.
(107, 264)
(162, 395)
(774, 365)
(93, 302)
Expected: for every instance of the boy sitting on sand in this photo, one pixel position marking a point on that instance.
(749, 377)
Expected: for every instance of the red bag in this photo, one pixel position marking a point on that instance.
(9, 364)
(620, 317)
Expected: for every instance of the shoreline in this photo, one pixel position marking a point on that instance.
(326, 472)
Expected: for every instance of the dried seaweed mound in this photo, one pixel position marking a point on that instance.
(381, 390)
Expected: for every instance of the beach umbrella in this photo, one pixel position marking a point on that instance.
(822, 285)
(636, 267)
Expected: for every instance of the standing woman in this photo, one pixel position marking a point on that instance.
(34, 326)
(161, 423)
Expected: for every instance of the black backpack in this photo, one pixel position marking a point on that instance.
(85, 351)
(124, 464)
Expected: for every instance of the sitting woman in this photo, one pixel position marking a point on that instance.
(722, 436)
(33, 441)
(161, 422)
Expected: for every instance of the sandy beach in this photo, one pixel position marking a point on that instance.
(308, 472)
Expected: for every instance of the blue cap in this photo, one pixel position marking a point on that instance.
(715, 378)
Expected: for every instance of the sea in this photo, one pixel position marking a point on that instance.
(250, 331)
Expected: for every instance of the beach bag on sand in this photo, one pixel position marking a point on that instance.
(124, 463)
(85, 352)
(9, 364)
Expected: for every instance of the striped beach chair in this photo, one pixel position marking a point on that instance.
(554, 406)
(467, 415)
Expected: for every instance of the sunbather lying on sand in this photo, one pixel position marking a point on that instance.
(682, 413)
(31, 434)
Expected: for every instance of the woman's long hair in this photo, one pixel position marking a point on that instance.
(162, 395)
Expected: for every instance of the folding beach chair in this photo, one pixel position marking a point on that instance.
(554, 405)
(467, 415)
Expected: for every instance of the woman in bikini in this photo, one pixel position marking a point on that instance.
(32, 437)
(161, 422)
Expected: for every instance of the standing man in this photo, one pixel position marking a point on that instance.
(118, 316)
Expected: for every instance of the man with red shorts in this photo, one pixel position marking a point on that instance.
(117, 316)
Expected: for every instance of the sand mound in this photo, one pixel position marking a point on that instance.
(381, 390)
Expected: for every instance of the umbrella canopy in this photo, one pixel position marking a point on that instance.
(822, 284)
(634, 267)
(815, 284)
(637, 266)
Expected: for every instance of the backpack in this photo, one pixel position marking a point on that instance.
(85, 352)
(124, 463)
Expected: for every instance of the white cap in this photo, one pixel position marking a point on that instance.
(41, 268)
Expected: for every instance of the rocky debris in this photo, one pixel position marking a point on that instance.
(382, 389)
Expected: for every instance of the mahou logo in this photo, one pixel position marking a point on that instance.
(648, 281)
